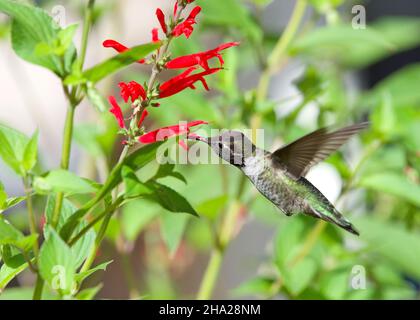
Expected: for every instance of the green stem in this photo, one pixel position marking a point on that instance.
(279, 51)
(31, 215)
(65, 160)
(210, 276)
(68, 133)
(87, 25)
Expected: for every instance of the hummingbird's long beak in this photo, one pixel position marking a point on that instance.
(197, 138)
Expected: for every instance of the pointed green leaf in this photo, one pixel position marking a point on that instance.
(173, 228)
(63, 181)
(80, 277)
(114, 64)
(31, 153)
(57, 263)
(31, 27)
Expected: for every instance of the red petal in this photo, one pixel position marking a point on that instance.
(118, 47)
(115, 45)
(142, 117)
(155, 34)
(161, 17)
(194, 13)
(176, 79)
(167, 132)
(116, 111)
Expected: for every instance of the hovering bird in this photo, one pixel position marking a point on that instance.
(280, 176)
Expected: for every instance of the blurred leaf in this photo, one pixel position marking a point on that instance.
(393, 242)
(335, 284)
(63, 181)
(325, 5)
(298, 277)
(400, 87)
(107, 67)
(8, 232)
(343, 44)
(386, 159)
(96, 98)
(213, 207)
(33, 26)
(23, 293)
(13, 145)
(394, 183)
(287, 240)
(31, 153)
(383, 118)
(233, 15)
(136, 215)
(260, 286)
(56, 263)
(173, 227)
(90, 293)
(133, 186)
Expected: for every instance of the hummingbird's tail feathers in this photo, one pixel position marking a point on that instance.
(338, 219)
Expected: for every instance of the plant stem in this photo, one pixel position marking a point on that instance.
(65, 159)
(31, 215)
(210, 276)
(278, 53)
(68, 134)
(87, 25)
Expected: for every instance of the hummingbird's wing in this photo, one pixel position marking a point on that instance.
(299, 156)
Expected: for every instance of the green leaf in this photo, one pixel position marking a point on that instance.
(393, 242)
(137, 215)
(57, 263)
(167, 170)
(31, 153)
(135, 161)
(400, 86)
(298, 278)
(3, 197)
(13, 145)
(89, 294)
(343, 44)
(384, 118)
(335, 284)
(96, 98)
(287, 241)
(393, 183)
(133, 186)
(82, 247)
(213, 207)
(31, 27)
(63, 181)
(173, 228)
(112, 65)
(170, 200)
(260, 286)
(7, 273)
(80, 277)
(233, 15)
(8, 232)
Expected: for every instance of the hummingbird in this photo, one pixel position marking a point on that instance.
(280, 175)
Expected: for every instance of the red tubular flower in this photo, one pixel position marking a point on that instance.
(132, 90)
(118, 47)
(167, 132)
(116, 111)
(186, 27)
(200, 58)
(142, 117)
(161, 17)
(184, 81)
(155, 35)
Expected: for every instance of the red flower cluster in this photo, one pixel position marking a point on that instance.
(142, 97)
